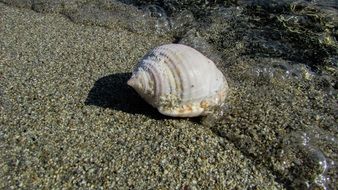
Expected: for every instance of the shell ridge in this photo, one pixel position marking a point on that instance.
(162, 70)
(172, 75)
(174, 68)
(186, 81)
(151, 68)
(157, 77)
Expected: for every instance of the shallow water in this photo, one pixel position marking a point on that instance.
(281, 60)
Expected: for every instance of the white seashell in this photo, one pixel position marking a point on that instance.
(179, 81)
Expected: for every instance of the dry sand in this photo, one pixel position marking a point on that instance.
(68, 120)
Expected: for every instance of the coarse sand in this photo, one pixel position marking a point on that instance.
(68, 120)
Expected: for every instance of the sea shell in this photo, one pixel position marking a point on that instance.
(179, 81)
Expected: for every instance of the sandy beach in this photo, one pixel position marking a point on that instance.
(69, 120)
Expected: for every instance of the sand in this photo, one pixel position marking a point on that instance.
(68, 120)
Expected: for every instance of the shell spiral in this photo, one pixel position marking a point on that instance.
(179, 81)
